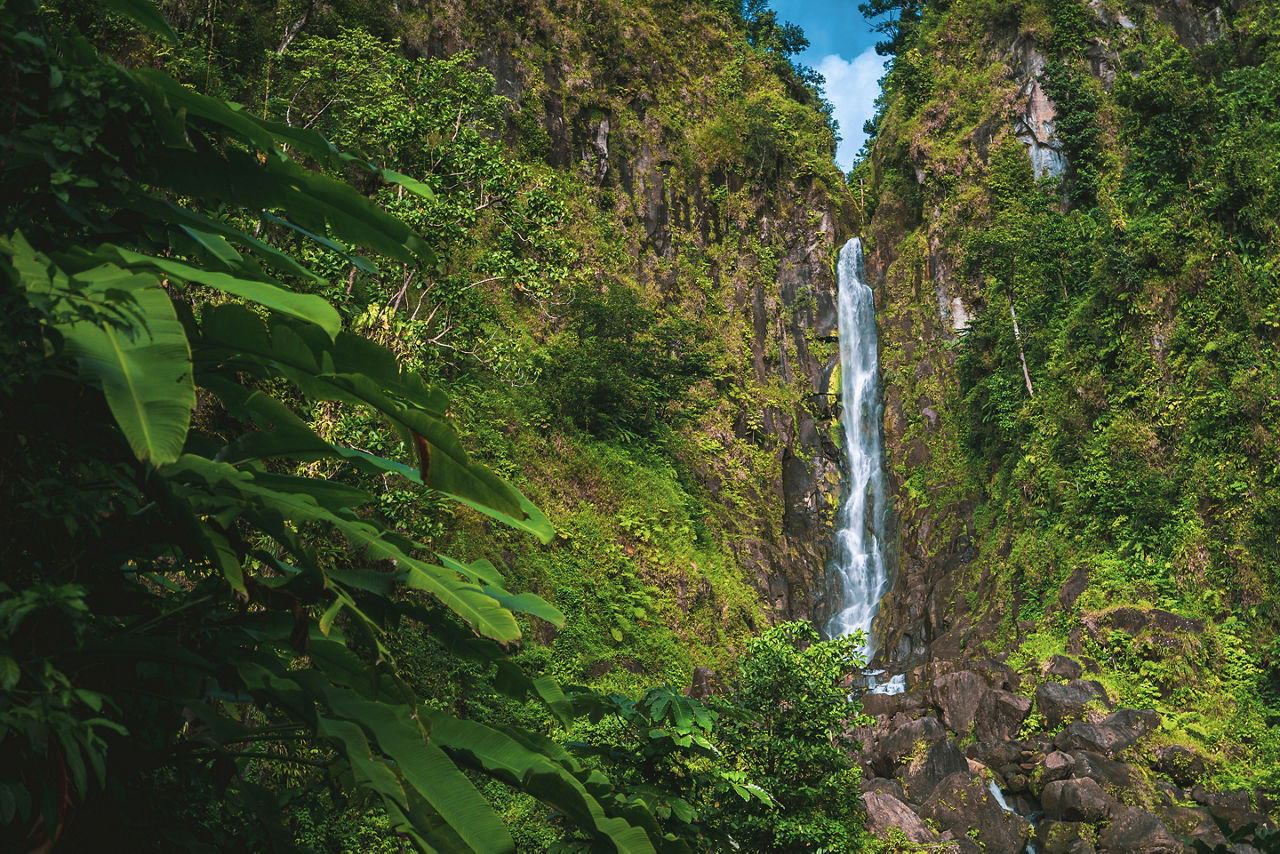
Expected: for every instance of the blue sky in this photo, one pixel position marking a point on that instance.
(841, 48)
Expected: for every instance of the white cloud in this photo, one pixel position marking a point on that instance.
(852, 89)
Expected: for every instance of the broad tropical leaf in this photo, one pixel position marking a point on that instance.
(350, 370)
(308, 307)
(145, 14)
(502, 756)
(144, 368)
(424, 766)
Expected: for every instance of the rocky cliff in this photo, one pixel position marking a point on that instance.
(681, 141)
(1075, 275)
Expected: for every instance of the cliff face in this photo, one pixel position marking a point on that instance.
(695, 174)
(682, 141)
(1075, 275)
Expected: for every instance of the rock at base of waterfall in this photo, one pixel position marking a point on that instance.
(885, 812)
(1063, 837)
(1057, 766)
(962, 804)
(1110, 735)
(921, 774)
(957, 695)
(1136, 831)
(1060, 703)
(1077, 800)
(902, 741)
(1000, 715)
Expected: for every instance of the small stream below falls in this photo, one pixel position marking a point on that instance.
(859, 557)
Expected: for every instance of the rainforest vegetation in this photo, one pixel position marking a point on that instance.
(418, 429)
(1105, 420)
(295, 318)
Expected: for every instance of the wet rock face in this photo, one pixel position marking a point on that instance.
(790, 565)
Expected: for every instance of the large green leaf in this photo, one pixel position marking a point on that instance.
(121, 327)
(173, 215)
(424, 766)
(308, 307)
(256, 497)
(500, 755)
(145, 14)
(350, 370)
(144, 370)
(313, 201)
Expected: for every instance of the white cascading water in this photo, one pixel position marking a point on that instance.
(860, 541)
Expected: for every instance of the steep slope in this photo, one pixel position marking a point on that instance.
(1074, 239)
(638, 236)
(702, 181)
(622, 295)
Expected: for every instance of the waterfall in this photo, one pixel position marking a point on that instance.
(859, 556)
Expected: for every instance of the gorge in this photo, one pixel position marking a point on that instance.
(423, 431)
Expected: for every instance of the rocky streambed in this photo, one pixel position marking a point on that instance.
(986, 759)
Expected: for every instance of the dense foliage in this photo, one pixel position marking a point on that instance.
(1114, 418)
(227, 618)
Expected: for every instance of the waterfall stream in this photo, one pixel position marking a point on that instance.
(859, 556)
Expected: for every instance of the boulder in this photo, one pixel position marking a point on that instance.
(885, 812)
(883, 786)
(1110, 735)
(1059, 703)
(1136, 831)
(1182, 766)
(920, 774)
(1057, 766)
(1168, 629)
(1063, 668)
(963, 805)
(1167, 793)
(704, 683)
(1000, 715)
(1008, 772)
(1106, 771)
(1233, 807)
(953, 844)
(995, 753)
(1016, 782)
(1077, 800)
(1062, 837)
(1191, 823)
(892, 704)
(956, 695)
(902, 741)
(998, 675)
